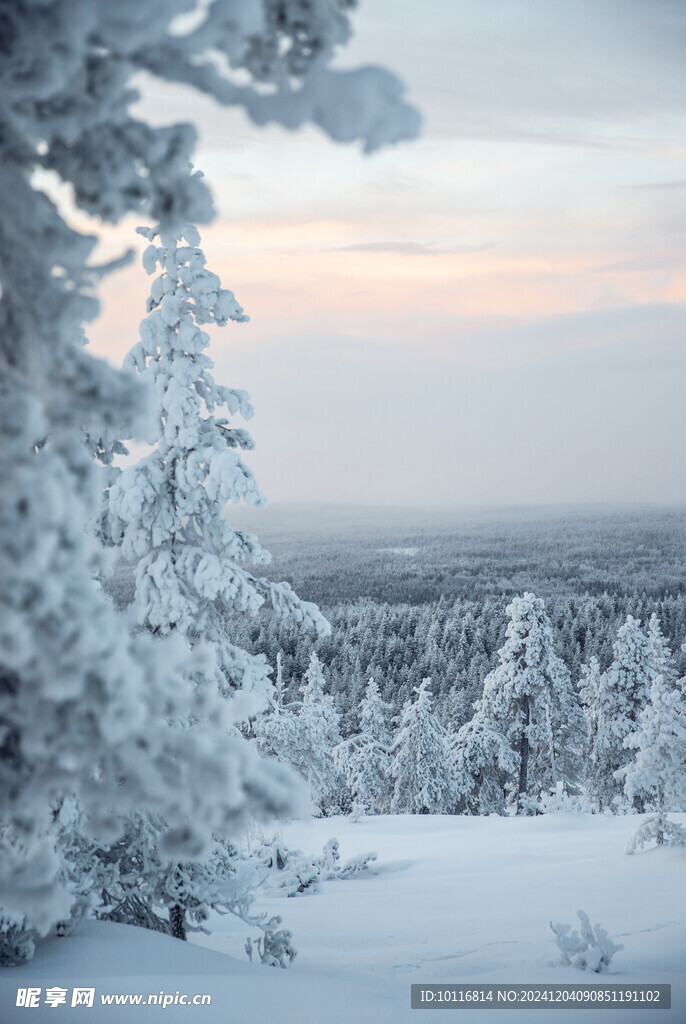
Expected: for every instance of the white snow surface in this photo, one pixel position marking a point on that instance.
(449, 900)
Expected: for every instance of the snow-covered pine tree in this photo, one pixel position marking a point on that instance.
(623, 692)
(422, 775)
(320, 724)
(76, 693)
(529, 699)
(166, 512)
(655, 779)
(364, 759)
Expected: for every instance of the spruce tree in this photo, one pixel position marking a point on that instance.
(166, 512)
(656, 775)
(623, 692)
(529, 699)
(277, 729)
(320, 724)
(590, 686)
(485, 764)
(662, 653)
(364, 759)
(422, 775)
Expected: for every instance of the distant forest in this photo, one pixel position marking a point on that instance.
(416, 593)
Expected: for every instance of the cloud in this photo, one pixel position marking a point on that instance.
(413, 248)
(579, 72)
(657, 186)
(646, 263)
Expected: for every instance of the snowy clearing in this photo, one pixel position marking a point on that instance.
(450, 899)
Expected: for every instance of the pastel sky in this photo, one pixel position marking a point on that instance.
(492, 314)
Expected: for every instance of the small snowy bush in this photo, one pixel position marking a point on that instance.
(592, 949)
(296, 871)
(274, 947)
(559, 801)
(659, 830)
(17, 939)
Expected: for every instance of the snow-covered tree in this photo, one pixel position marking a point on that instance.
(529, 699)
(83, 707)
(656, 777)
(166, 512)
(458, 708)
(364, 759)
(279, 733)
(623, 691)
(320, 724)
(129, 881)
(422, 775)
(662, 653)
(304, 735)
(485, 764)
(589, 690)
(277, 729)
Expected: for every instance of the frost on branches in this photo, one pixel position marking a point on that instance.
(663, 659)
(83, 707)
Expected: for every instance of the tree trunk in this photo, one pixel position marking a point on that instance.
(524, 754)
(177, 920)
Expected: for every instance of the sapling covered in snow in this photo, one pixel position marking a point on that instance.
(131, 882)
(422, 775)
(590, 948)
(657, 829)
(296, 872)
(364, 759)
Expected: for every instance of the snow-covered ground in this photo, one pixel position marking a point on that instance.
(449, 900)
